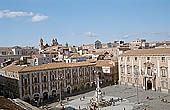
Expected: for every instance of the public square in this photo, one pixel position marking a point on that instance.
(148, 100)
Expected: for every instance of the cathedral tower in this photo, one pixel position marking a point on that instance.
(54, 42)
(41, 45)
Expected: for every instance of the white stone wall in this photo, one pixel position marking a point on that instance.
(49, 75)
(156, 67)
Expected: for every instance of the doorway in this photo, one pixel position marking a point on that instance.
(149, 85)
(68, 90)
(45, 96)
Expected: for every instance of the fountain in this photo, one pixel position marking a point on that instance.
(98, 100)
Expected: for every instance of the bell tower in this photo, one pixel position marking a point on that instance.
(54, 42)
(41, 45)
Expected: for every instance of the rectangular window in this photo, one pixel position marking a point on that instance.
(128, 58)
(45, 79)
(45, 86)
(163, 73)
(136, 70)
(128, 70)
(122, 69)
(25, 80)
(129, 80)
(136, 58)
(121, 58)
(148, 58)
(4, 53)
(163, 59)
(149, 71)
(122, 78)
(35, 80)
(53, 77)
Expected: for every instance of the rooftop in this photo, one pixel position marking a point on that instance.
(55, 66)
(6, 104)
(108, 63)
(13, 68)
(76, 55)
(50, 66)
(155, 51)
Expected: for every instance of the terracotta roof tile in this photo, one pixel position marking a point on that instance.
(50, 66)
(55, 66)
(104, 63)
(155, 51)
(13, 68)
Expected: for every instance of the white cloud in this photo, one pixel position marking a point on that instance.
(91, 34)
(87, 34)
(159, 34)
(145, 35)
(38, 18)
(14, 14)
(127, 36)
(153, 33)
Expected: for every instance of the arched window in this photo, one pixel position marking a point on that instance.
(35, 80)
(45, 78)
(149, 71)
(163, 71)
(128, 69)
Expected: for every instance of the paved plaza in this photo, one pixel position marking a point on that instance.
(148, 100)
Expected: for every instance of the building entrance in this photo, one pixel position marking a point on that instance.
(149, 85)
(45, 96)
(68, 90)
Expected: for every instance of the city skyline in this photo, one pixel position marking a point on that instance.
(80, 22)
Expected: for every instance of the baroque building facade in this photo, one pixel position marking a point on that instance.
(147, 68)
(98, 44)
(40, 82)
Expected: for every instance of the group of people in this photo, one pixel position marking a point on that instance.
(164, 100)
(82, 98)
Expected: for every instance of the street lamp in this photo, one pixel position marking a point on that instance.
(60, 79)
(137, 93)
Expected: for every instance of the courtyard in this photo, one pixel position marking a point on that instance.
(148, 100)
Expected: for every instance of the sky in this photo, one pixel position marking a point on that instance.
(24, 22)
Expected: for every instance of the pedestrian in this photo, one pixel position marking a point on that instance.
(124, 108)
(113, 103)
(162, 100)
(121, 99)
(147, 97)
(79, 108)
